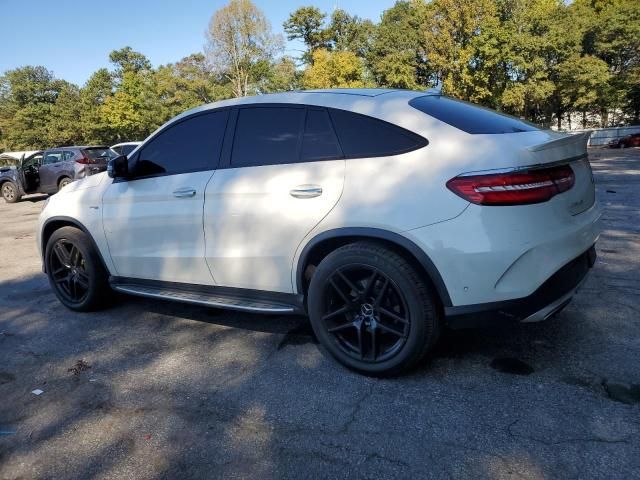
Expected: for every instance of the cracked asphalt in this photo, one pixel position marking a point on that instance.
(150, 390)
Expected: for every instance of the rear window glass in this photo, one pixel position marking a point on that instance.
(363, 136)
(96, 153)
(468, 117)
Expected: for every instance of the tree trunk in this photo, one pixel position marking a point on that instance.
(584, 119)
(604, 118)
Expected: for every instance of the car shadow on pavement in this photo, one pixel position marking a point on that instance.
(174, 390)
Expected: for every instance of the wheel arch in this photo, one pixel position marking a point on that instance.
(61, 177)
(55, 223)
(324, 243)
(19, 188)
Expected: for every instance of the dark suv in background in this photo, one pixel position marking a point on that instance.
(50, 170)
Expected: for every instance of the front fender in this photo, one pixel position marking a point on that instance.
(11, 175)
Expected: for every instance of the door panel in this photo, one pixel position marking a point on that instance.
(68, 165)
(255, 218)
(153, 223)
(30, 173)
(154, 227)
(49, 171)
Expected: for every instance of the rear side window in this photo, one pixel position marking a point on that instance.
(267, 136)
(53, 157)
(468, 117)
(363, 136)
(190, 145)
(99, 153)
(319, 142)
(68, 155)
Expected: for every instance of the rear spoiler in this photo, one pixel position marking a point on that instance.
(578, 140)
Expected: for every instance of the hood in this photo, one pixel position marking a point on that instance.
(9, 171)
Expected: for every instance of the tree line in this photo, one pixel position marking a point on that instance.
(554, 63)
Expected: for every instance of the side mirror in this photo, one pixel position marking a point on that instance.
(118, 167)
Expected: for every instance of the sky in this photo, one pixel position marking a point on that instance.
(73, 38)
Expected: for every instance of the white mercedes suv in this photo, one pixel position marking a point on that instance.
(383, 215)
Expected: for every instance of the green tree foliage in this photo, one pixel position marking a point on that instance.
(63, 122)
(397, 55)
(94, 125)
(133, 111)
(349, 33)
(128, 60)
(616, 40)
(240, 45)
(281, 76)
(307, 24)
(187, 84)
(459, 41)
(334, 70)
(27, 96)
(583, 84)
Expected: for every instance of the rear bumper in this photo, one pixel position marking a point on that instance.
(551, 297)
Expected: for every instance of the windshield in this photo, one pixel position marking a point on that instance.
(8, 162)
(100, 152)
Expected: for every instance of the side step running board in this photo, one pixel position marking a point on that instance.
(218, 297)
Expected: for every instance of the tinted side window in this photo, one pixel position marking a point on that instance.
(33, 161)
(188, 146)
(267, 136)
(468, 117)
(53, 157)
(127, 149)
(99, 153)
(68, 155)
(319, 141)
(363, 136)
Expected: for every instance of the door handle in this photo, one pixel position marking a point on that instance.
(306, 191)
(184, 193)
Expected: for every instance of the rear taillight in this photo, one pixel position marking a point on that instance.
(83, 161)
(514, 188)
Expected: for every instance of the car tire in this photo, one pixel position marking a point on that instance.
(371, 310)
(75, 270)
(10, 192)
(64, 181)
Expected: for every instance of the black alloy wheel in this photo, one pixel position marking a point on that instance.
(75, 270)
(68, 271)
(365, 313)
(371, 310)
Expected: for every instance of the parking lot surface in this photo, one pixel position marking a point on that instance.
(149, 389)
